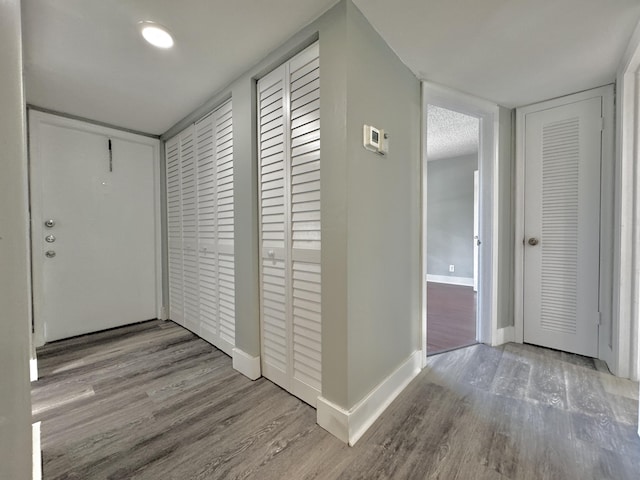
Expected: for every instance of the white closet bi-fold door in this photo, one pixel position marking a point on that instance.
(289, 162)
(200, 228)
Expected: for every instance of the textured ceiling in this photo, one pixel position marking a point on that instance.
(86, 58)
(450, 134)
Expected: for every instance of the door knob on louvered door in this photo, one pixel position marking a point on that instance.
(533, 241)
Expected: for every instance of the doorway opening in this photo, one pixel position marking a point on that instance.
(487, 118)
(452, 203)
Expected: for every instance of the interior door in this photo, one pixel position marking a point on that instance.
(94, 227)
(562, 205)
(290, 243)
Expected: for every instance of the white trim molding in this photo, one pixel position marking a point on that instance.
(246, 364)
(488, 114)
(350, 425)
(504, 335)
(36, 451)
(462, 281)
(626, 269)
(33, 369)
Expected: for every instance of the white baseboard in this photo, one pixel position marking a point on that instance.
(36, 452)
(503, 335)
(463, 281)
(350, 425)
(33, 369)
(246, 364)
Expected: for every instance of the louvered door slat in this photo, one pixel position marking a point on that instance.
(207, 233)
(174, 228)
(189, 189)
(274, 297)
(223, 120)
(289, 161)
(305, 225)
(214, 139)
(201, 232)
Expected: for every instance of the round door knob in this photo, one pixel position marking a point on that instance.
(533, 241)
(50, 238)
(49, 223)
(49, 254)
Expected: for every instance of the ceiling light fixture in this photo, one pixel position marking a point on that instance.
(156, 34)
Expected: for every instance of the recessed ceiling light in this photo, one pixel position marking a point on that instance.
(156, 34)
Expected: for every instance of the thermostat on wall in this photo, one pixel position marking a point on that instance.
(375, 140)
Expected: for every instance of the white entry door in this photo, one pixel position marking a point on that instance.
(562, 157)
(94, 227)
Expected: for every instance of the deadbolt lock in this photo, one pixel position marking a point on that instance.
(50, 238)
(49, 254)
(533, 241)
(49, 223)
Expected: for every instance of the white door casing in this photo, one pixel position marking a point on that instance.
(106, 269)
(563, 184)
(289, 175)
(476, 227)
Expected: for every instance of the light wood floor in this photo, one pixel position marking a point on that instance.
(451, 317)
(152, 401)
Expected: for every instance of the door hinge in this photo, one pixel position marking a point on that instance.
(601, 123)
(599, 318)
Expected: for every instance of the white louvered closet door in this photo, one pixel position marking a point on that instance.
(201, 228)
(223, 122)
(216, 228)
(188, 174)
(207, 235)
(174, 227)
(562, 224)
(289, 161)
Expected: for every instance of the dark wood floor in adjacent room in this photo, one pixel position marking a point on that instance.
(451, 317)
(152, 401)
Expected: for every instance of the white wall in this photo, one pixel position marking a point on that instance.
(15, 398)
(450, 216)
(626, 268)
(383, 210)
(506, 215)
(370, 204)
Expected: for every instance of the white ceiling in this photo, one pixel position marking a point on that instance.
(86, 58)
(512, 52)
(450, 134)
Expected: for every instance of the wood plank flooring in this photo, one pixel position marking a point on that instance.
(451, 317)
(152, 401)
